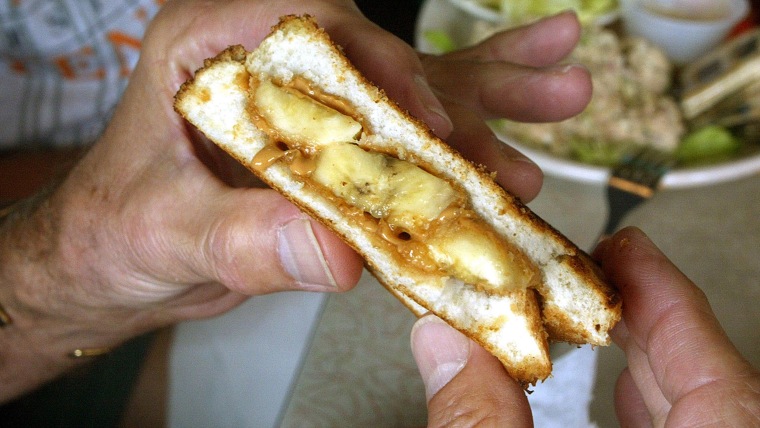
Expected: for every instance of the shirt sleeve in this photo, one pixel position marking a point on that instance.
(64, 65)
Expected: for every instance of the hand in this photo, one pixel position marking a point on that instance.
(154, 225)
(148, 228)
(514, 74)
(464, 384)
(682, 368)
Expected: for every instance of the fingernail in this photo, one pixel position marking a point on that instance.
(440, 351)
(520, 158)
(620, 333)
(566, 68)
(431, 103)
(301, 255)
(513, 155)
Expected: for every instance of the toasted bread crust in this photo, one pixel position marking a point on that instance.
(214, 100)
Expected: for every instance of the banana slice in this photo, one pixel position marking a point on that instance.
(418, 197)
(359, 177)
(474, 255)
(300, 119)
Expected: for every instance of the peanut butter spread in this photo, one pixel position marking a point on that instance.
(425, 219)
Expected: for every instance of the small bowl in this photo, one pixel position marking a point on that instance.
(684, 29)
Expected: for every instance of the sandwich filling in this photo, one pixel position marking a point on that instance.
(424, 217)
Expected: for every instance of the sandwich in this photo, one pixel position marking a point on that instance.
(434, 229)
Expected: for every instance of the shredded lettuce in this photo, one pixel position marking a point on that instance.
(520, 11)
(595, 153)
(440, 40)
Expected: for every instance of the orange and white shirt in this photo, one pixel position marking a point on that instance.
(64, 65)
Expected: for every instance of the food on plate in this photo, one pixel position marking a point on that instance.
(630, 106)
(434, 229)
(517, 12)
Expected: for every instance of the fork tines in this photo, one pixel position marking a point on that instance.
(633, 181)
(640, 172)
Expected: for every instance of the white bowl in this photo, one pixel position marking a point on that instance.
(685, 29)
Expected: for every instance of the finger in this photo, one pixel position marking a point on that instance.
(629, 405)
(253, 241)
(507, 90)
(278, 248)
(510, 74)
(393, 66)
(649, 391)
(668, 318)
(385, 59)
(540, 44)
(465, 385)
(475, 140)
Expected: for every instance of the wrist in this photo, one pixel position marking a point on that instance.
(47, 319)
(46, 278)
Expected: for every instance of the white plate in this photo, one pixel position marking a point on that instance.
(442, 15)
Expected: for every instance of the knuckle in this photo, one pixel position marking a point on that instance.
(222, 254)
(471, 418)
(473, 410)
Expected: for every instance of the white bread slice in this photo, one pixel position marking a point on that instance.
(572, 302)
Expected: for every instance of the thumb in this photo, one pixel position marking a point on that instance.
(680, 359)
(258, 242)
(464, 384)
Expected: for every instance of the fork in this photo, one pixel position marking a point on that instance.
(632, 181)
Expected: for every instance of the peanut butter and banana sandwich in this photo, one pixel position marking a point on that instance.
(435, 230)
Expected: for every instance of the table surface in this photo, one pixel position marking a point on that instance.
(360, 372)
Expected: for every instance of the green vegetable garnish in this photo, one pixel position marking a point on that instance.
(594, 153)
(711, 143)
(440, 40)
(525, 10)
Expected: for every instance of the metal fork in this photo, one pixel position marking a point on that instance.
(632, 181)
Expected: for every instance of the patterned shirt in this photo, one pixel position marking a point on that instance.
(63, 66)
